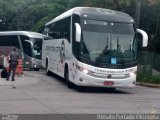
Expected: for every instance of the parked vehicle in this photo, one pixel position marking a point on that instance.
(28, 44)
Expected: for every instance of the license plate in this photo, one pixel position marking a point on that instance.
(108, 83)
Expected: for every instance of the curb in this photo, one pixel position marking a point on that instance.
(148, 85)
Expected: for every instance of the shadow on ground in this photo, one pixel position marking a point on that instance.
(89, 89)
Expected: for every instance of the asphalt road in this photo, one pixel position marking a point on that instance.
(36, 93)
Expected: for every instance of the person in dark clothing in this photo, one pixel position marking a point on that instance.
(13, 62)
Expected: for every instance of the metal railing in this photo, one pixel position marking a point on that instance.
(148, 63)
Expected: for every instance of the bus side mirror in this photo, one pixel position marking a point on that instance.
(28, 41)
(144, 37)
(78, 32)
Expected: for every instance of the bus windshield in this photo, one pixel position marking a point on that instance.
(108, 42)
(37, 48)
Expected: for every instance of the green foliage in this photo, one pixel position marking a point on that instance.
(40, 14)
(27, 14)
(155, 79)
(40, 24)
(33, 14)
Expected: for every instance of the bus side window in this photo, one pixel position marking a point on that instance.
(60, 29)
(64, 28)
(67, 25)
(10, 40)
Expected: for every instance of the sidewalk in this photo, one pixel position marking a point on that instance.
(148, 85)
(15, 98)
(19, 81)
(4, 83)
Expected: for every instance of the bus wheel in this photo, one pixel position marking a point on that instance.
(66, 75)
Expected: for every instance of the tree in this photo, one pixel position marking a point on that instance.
(137, 12)
(33, 14)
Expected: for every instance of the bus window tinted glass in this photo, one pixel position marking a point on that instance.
(60, 29)
(102, 41)
(26, 45)
(37, 47)
(11, 40)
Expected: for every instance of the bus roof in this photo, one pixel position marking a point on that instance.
(97, 14)
(26, 33)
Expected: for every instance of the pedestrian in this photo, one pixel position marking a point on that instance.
(13, 62)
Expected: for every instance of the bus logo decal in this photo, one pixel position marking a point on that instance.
(62, 49)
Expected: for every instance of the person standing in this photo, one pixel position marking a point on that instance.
(13, 62)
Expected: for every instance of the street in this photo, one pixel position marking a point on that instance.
(37, 93)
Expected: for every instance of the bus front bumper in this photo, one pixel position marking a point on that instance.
(87, 80)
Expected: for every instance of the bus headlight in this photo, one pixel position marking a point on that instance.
(35, 66)
(85, 71)
(132, 74)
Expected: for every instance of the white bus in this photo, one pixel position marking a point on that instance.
(93, 47)
(29, 45)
